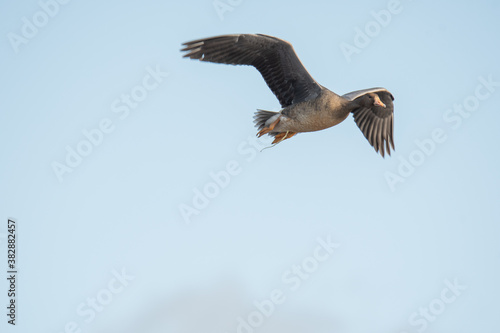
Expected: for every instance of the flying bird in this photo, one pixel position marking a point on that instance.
(306, 105)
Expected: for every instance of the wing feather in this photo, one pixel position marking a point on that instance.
(274, 58)
(376, 122)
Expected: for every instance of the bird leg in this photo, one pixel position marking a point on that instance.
(283, 136)
(280, 137)
(268, 129)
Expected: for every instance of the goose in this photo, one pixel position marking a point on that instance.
(306, 105)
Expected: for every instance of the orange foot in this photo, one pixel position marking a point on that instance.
(266, 130)
(283, 136)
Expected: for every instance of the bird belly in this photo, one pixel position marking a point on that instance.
(308, 122)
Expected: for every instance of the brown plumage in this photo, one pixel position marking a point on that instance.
(306, 105)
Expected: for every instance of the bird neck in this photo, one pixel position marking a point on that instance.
(350, 106)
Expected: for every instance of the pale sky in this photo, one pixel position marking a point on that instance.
(144, 203)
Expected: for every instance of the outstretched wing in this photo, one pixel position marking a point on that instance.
(274, 58)
(376, 122)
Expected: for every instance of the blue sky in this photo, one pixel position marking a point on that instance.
(144, 204)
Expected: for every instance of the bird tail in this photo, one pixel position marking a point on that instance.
(263, 117)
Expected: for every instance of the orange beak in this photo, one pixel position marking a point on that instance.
(378, 102)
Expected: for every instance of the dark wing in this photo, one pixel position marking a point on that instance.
(274, 58)
(376, 122)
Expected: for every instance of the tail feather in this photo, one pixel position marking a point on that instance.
(262, 117)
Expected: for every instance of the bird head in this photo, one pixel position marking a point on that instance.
(375, 100)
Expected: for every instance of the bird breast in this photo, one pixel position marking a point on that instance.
(325, 111)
